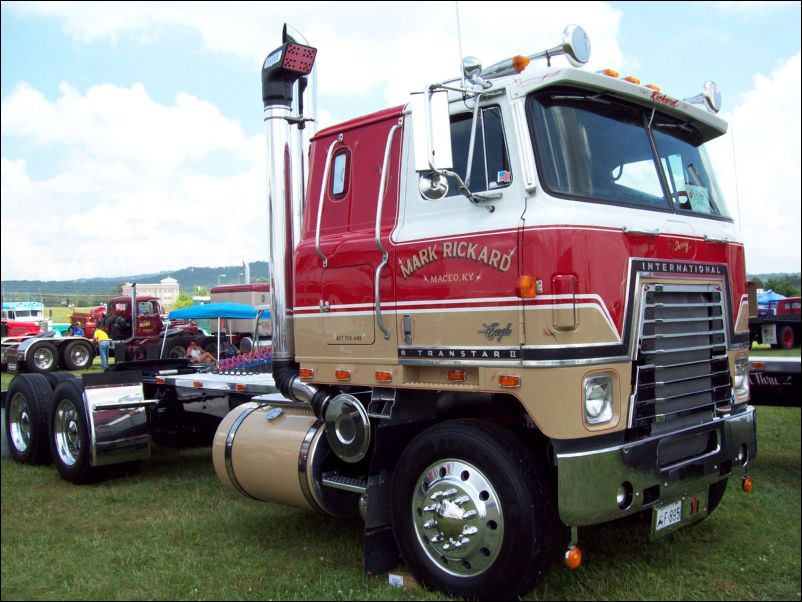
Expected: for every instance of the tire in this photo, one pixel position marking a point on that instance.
(787, 338)
(56, 378)
(42, 358)
(502, 507)
(176, 349)
(27, 409)
(69, 434)
(77, 355)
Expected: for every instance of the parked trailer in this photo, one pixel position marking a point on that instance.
(104, 423)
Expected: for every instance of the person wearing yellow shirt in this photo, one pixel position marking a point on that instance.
(103, 344)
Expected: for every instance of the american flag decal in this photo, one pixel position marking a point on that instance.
(504, 177)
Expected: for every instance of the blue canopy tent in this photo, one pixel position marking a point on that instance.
(768, 299)
(219, 311)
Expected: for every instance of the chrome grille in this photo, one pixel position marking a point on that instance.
(681, 370)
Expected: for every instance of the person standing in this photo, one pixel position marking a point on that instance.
(103, 344)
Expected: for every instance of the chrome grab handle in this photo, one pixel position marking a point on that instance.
(379, 206)
(724, 239)
(322, 196)
(628, 230)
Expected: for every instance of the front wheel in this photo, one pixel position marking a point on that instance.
(474, 511)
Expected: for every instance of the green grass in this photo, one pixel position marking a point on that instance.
(173, 531)
(768, 351)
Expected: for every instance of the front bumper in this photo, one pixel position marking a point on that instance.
(658, 469)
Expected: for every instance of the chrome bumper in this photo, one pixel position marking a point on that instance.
(658, 468)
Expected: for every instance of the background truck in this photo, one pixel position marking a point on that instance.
(255, 294)
(137, 330)
(509, 309)
(781, 327)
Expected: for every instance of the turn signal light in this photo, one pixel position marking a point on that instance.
(526, 287)
(306, 373)
(509, 381)
(631, 79)
(342, 375)
(573, 557)
(383, 376)
(746, 484)
(456, 376)
(520, 62)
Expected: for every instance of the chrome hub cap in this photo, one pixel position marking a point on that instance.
(43, 359)
(79, 355)
(19, 420)
(67, 433)
(458, 518)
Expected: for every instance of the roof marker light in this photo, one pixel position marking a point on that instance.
(653, 87)
(520, 62)
(631, 79)
(610, 72)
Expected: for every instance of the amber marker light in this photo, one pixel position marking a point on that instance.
(759, 365)
(631, 79)
(197, 384)
(573, 557)
(342, 375)
(383, 376)
(509, 381)
(746, 484)
(240, 388)
(526, 287)
(610, 73)
(160, 380)
(520, 62)
(306, 373)
(653, 87)
(456, 376)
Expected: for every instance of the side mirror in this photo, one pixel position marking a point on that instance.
(431, 131)
(433, 186)
(576, 45)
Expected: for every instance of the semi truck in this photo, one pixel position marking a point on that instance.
(509, 309)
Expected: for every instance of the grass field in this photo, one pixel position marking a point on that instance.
(172, 531)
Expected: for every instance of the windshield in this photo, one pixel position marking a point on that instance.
(593, 147)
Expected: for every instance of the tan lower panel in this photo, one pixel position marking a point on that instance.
(592, 328)
(742, 325)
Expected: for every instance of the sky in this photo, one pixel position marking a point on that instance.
(132, 135)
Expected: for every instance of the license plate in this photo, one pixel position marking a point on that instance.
(668, 515)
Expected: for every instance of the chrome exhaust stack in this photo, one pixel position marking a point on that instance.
(284, 84)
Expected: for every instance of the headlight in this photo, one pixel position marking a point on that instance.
(598, 393)
(740, 384)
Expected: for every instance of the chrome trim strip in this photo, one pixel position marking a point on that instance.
(303, 464)
(229, 447)
(379, 207)
(594, 361)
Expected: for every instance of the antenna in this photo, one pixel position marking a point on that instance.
(459, 39)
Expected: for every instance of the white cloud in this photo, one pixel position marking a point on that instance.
(397, 47)
(128, 195)
(765, 129)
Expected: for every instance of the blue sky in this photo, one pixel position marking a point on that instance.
(132, 132)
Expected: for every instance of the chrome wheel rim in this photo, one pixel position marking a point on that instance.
(19, 422)
(79, 355)
(458, 518)
(43, 359)
(67, 433)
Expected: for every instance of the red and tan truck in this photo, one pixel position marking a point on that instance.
(511, 308)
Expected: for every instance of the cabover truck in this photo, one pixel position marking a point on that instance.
(511, 308)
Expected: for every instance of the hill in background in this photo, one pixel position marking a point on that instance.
(95, 290)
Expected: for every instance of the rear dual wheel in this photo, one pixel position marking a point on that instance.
(26, 418)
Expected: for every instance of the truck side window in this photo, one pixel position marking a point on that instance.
(490, 168)
(340, 174)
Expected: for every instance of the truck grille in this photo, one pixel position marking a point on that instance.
(681, 371)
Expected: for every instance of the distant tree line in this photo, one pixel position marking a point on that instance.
(784, 284)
